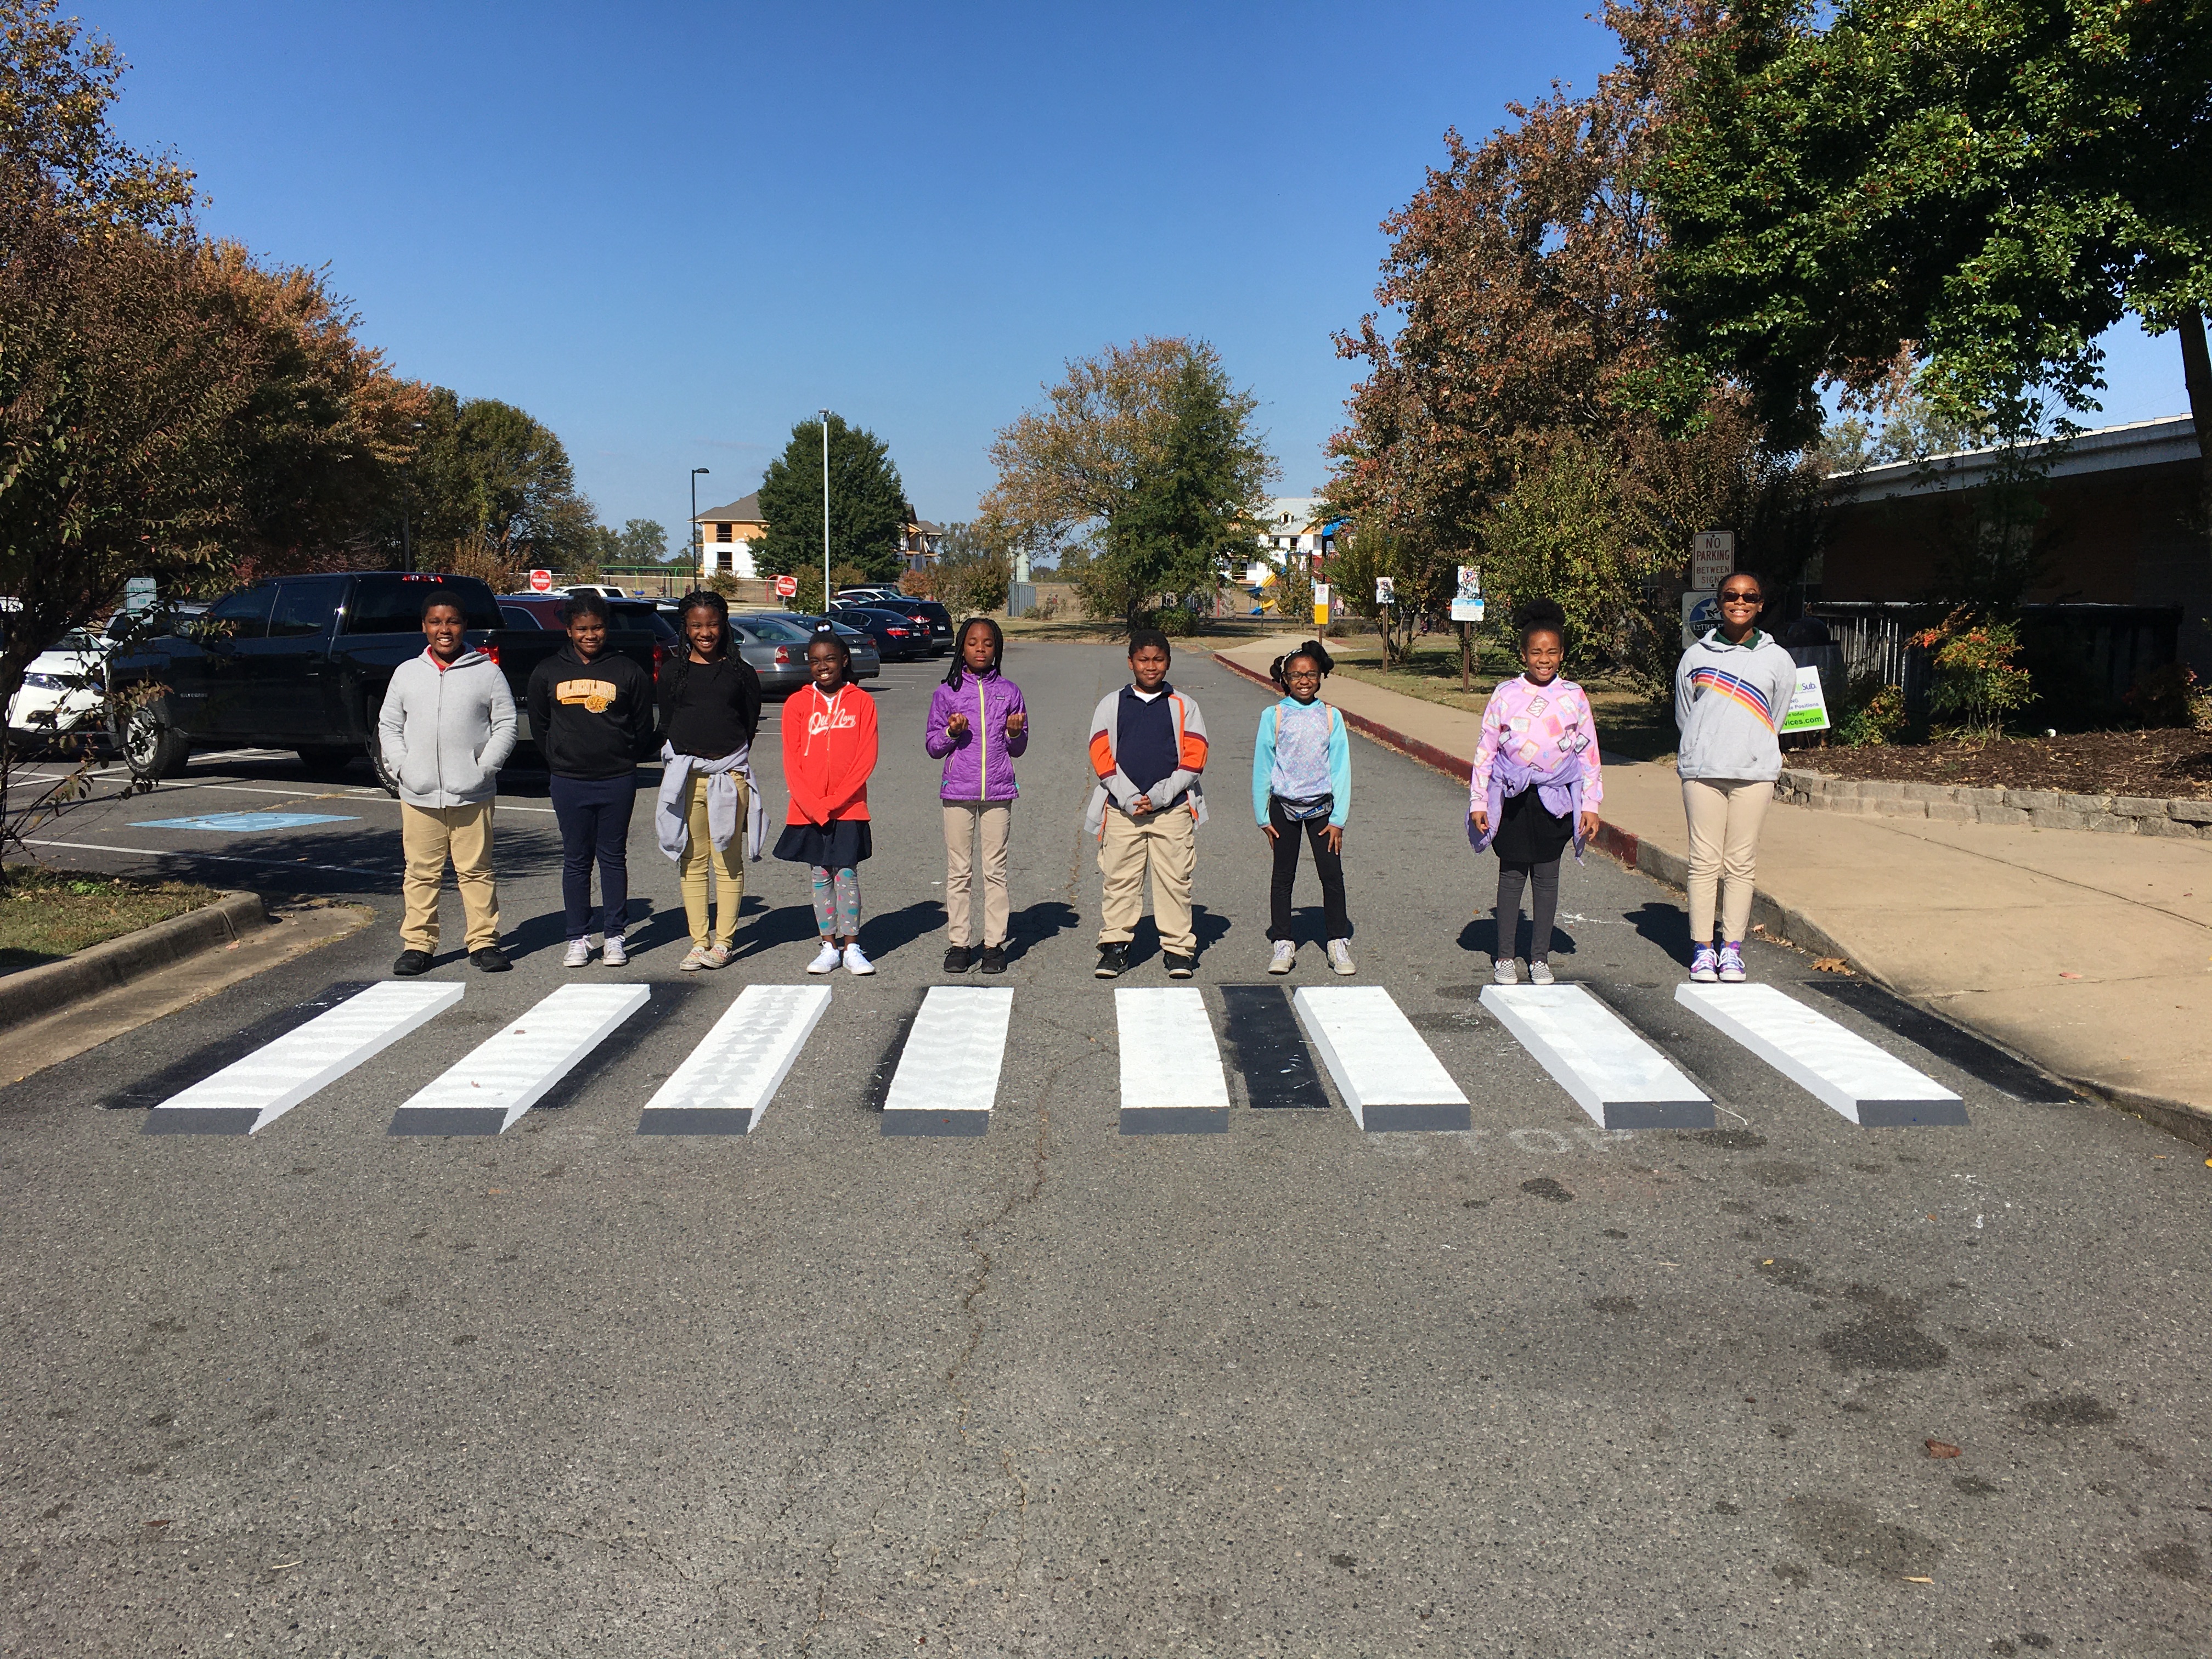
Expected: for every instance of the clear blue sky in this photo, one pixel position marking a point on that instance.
(669, 231)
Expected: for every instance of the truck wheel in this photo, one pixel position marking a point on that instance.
(152, 748)
(325, 757)
(385, 778)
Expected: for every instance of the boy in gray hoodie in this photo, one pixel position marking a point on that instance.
(1731, 689)
(446, 727)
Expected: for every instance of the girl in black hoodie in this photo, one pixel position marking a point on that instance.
(590, 712)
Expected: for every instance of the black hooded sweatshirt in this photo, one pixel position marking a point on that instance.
(591, 719)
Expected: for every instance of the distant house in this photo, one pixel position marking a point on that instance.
(919, 539)
(2116, 529)
(726, 535)
(1289, 526)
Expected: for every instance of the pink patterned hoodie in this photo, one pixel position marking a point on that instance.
(1540, 726)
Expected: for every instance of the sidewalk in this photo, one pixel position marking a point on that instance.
(2068, 947)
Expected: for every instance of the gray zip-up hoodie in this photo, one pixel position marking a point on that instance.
(1729, 702)
(445, 733)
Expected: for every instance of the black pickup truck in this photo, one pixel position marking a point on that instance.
(302, 662)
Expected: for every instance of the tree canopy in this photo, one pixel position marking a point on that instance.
(868, 504)
(1149, 451)
(1990, 185)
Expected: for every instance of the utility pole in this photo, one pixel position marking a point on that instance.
(698, 547)
(825, 512)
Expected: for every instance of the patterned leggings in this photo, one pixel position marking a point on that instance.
(836, 902)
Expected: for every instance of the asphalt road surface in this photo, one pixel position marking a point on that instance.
(1532, 1388)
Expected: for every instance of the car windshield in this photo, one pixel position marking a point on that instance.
(776, 630)
(76, 639)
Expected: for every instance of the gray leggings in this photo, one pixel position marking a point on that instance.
(837, 902)
(1544, 879)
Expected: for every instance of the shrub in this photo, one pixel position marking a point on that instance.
(1978, 677)
(1874, 712)
(2166, 696)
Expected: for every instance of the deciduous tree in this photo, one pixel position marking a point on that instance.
(1148, 451)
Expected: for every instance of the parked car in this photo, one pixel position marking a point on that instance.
(775, 644)
(897, 635)
(604, 590)
(542, 610)
(927, 612)
(867, 661)
(302, 662)
(63, 694)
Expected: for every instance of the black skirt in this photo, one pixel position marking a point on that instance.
(844, 844)
(1527, 834)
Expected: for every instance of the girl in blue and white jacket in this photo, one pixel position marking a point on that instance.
(1302, 781)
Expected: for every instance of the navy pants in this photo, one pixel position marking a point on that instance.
(594, 818)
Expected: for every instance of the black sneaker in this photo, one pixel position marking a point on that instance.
(956, 958)
(411, 963)
(994, 959)
(1112, 960)
(1180, 967)
(491, 959)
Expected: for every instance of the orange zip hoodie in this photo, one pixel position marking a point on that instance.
(828, 751)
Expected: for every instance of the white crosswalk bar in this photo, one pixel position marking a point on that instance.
(1388, 1076)
(252, 1093)
(1835, 1065)
(504, 1076)
(1611, 1073)
(727, 1082)
(1172, 1077)
(948, 1069)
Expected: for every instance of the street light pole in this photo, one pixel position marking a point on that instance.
(825, 512)
(698, 546)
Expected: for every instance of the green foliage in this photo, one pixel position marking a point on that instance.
(1978, 677)
(1993, 184)
(1422, 577)
(485, 473)
(868, 504)
(1873, 712)
(1291, 597)
(639, 541)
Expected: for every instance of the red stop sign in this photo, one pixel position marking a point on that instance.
(541, 581)
(786, 586)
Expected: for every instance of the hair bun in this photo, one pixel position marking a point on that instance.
(1540, 613)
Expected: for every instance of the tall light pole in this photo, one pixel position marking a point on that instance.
(698, 547)
(825, 512)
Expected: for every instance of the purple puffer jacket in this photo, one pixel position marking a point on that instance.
(977, 770)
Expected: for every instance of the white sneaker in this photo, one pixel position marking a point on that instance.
(854, 962)
(717, 956)
(614, 953)
(1339, 955)
(1504, 973)
(580, 952)
(693, 960)
(1286, 957)
(826, 959)
(1539, 973)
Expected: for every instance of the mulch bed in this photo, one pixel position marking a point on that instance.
(2159, 764)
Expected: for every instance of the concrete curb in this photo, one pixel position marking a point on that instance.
(38, 991)
(2043, 809)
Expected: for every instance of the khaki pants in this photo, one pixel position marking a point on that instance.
(428, 836)
(727, 863)
(1724, 817)
(1166, 843)
(963, 819)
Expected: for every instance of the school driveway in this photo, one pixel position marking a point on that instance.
(1293, 1388)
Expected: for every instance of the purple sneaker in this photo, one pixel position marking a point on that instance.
(1732, 964)
(1705, 965)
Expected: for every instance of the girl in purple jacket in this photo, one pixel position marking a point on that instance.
(978, 726)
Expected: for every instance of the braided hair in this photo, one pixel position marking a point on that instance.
(960, 649)
(1313, 649)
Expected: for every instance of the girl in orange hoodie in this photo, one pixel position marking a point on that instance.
(828, 751)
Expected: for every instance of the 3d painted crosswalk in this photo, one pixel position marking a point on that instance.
(510, 1073)
(1833, 1064)
(1170, 1065)
(1608, 1071)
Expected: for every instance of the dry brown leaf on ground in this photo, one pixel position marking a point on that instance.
(1832, 965)
(1942, 1448)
